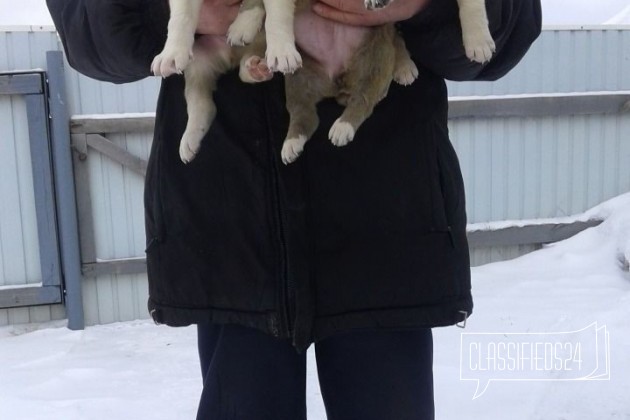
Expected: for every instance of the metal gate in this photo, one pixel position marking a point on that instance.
(52, 190)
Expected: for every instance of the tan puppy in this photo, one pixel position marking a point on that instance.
(356, 71)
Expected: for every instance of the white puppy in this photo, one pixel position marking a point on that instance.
(213, 56)
(473, 16)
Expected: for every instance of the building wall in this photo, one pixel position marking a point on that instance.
(117, 204)
(513, 168)
(19, 246)
(525, 168)
(564, 61)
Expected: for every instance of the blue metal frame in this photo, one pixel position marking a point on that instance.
(33, 87)
(64, 188)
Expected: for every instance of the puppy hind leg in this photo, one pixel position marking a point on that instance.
(405, 70)
(304, 90)
(253, 67)
(201, 77)
(364, 84)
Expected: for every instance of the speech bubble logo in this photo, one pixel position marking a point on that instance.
(558, 356)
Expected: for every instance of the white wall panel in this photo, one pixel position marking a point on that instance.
(526, 168)
(513, 168)
(118, 211)
(19, 244)
(564, 61)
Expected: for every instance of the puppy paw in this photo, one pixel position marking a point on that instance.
(341, 133)
(478, 43)
(406, 73)
(255, 70)
(173, 59)
(247, 24)
(292, 149)
(375, 4)
(189, 146)
(282, 56)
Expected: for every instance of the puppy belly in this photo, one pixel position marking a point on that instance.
(212, 43)
(330, 44)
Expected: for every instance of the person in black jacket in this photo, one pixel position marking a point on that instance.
(360, 250)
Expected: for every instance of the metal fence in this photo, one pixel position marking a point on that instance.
(524, 154)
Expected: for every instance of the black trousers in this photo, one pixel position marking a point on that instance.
(363, 375)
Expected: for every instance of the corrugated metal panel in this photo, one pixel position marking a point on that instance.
(548, 167)
(513, 168)
(560, 61)
(564, 61)
(19, 244)
(117, 200)
(115, 298)
(27, 50)
(117, 204)
(20, 51)
(126, 295)
(88, 96)
(517, 168)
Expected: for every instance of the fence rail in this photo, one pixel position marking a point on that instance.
(551, 105)
(89, 133)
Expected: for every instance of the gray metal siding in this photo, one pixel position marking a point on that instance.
(117, 206)
(117, 200)
(514, 168)
(19, 245)
(564, 61)
(18, 226)
(106, 299)
(88, 96)
(517, 168)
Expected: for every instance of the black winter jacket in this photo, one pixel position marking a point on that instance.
(371, 235)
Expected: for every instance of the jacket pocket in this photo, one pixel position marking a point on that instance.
(449, 179)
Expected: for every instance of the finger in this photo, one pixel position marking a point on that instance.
(342, 16)
(351, 6)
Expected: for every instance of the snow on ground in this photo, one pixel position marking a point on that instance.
(137, 370)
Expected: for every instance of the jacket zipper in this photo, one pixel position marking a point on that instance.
(286, 284)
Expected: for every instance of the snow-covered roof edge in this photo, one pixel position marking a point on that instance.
(601, 211)
(600, 27)
(27, 28)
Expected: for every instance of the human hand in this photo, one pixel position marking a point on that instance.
(353, 12)
(216, 16)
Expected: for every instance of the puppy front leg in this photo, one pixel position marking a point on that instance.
(282, 54)
(405, 70)
(248, 23)
(177, 51)
(476, 34)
